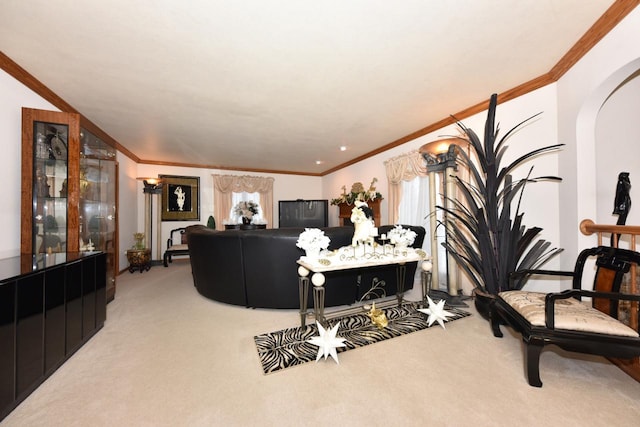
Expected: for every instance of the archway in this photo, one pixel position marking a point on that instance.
(586, 121)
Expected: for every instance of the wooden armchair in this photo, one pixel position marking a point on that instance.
(176, 245)
(562, 319)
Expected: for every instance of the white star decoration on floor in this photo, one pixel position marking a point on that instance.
(327, 342)
(436, 312)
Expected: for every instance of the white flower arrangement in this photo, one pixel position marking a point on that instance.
(312, 239)
(401, 236)
(246, 209)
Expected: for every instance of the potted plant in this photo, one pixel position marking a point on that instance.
(487, 239)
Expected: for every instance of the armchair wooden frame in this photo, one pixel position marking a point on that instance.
(611, 264)
(175, 245)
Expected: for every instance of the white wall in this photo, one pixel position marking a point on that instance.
(128, 207)
(540, 132)
(618, 150)
(571, 108)
(131, 200)
(582, 91)
(14, 96)
(571, 116)
(285, 187)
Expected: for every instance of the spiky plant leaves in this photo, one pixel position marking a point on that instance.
(488, 240)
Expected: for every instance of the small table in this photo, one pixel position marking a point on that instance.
(347, 258)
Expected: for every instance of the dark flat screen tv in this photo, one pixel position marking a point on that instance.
(303, 213)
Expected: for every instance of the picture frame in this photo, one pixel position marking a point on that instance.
(180, 198)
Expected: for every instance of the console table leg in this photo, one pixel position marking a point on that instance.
(318, 304)
(303, 288)
(401, 272)
(426, 284)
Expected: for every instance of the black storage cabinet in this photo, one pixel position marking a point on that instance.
(50, 305)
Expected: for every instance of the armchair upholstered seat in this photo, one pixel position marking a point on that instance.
(569, 313)
(562, 319)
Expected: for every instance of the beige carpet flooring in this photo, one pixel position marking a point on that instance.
(169, 357)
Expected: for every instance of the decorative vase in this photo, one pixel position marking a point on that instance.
(139, 238)
(246, 220)
(139, 259)
(313, 253)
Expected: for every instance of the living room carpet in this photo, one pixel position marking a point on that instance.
(290, 347)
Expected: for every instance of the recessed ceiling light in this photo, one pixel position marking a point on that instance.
(318, 162)
(343, 148)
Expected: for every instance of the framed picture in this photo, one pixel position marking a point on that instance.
(180, 198)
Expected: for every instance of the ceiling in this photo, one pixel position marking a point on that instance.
(281, 85)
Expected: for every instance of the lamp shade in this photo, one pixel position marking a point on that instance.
(151, 185)
(441, 154)
(439, 146)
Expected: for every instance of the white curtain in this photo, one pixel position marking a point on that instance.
(409, 196)
(414, 205)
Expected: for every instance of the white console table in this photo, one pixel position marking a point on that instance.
(349, 258)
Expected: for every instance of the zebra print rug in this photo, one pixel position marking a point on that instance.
(289, 347)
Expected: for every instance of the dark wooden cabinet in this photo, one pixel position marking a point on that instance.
(50, 305)
(345, 211)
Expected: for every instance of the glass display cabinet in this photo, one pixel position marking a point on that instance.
(68, 189)
(50, 148)
(97, 201)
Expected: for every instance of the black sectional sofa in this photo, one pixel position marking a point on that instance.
(257, 268)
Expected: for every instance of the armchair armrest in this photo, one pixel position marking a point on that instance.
(578, 293)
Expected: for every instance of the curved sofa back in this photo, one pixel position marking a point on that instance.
(271, 272)
(216, 264)
(257, 268)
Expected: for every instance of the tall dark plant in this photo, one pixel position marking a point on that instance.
(486, 240)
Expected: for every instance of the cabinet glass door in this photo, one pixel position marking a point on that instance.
(50, 187)
(98, 201)
(49, 182)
